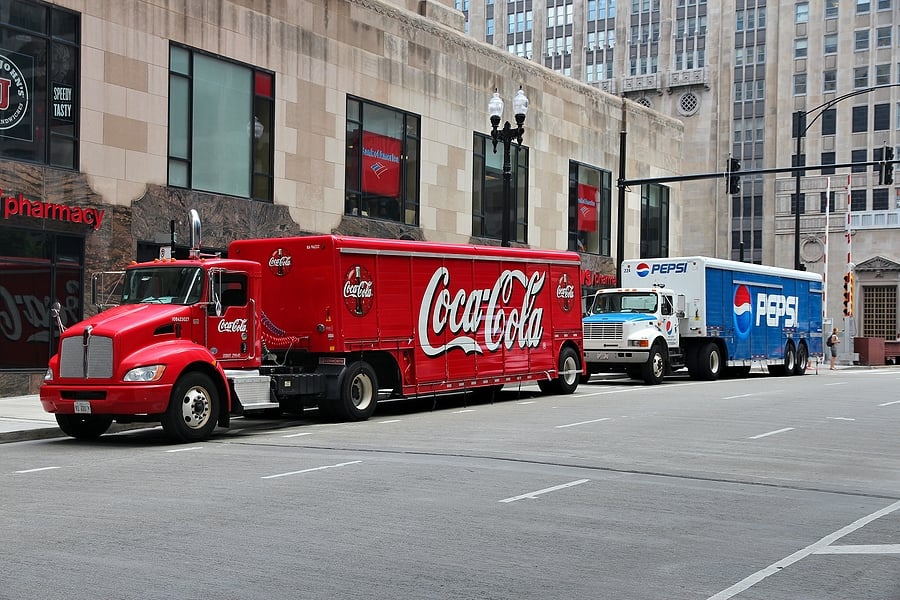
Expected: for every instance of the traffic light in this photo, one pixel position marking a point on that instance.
(888, 168)
(848, 294)
(734, 180)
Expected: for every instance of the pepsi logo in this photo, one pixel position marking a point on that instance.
(669, 327)
(743, 311)
(642, 270)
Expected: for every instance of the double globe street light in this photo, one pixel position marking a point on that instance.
(506, 135)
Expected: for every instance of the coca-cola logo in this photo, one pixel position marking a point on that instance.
(565, 293)
(235, 326)
(359, 291)
(480, 321)
(280, 263)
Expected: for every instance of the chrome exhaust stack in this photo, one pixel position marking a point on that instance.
(195, 233)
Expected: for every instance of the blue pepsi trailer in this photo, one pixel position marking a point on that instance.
(704, 314)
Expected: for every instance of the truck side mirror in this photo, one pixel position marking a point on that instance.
(679, 305)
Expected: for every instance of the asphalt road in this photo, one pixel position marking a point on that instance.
(759, 488)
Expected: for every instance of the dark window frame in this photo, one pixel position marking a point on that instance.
(655, 238)
(483, 187)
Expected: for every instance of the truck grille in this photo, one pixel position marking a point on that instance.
(99, 356)
(602, 331)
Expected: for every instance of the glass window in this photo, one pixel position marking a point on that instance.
(831, 43)
(860, 119)
(382, 171)
(862, 6)
(859, 158)
(831, 8)
(801, 12)
(487, 191)
(882, 74)
(37, 268)
(829, 122)
(882, 117)
(590, 221)
(829, 80)
(654, 221)
(828, 159)
(884, 4)
(221, 125)
(800, 48)
(800, 84)
(883, 36)
(857, 200)
(826, 203)
(861, 77)
(861, 39)
(40, 87)
(880, 199)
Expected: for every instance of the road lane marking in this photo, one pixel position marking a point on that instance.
(39, 469)
(533, 495)
(841, 419)
(465, 410)
(297, 434)
(889, 403)
(344, 464)
(582, 423)
(738, 396)
(185, 449)
(762, 435)
(777, 567)
(837, 383)
(388, 421)
(861, 549)
(526, 402)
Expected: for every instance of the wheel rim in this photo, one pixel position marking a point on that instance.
(570, 370)
(196, 407)
(714, 362)
(802, 360)
(789, 359)
(657, 365)
(361, 391)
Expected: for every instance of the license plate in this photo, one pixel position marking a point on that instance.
(82, 407)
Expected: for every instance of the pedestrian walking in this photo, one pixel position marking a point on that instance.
(833, 341)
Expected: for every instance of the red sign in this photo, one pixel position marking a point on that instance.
(381, 164)
(22, 206)
(597, 279)
(587, 207)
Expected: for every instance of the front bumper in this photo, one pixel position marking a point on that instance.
(118, 399)
(617, 356)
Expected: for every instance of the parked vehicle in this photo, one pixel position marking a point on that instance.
(704, 314)
(337, 322)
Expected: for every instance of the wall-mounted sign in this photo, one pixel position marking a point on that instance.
(36, 209)
(597, 279)
(63, 101)
(14, 97)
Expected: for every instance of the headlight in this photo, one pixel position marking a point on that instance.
(148, 373)
(48, 376)
(639, 343)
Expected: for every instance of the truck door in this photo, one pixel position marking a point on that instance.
(230, 318)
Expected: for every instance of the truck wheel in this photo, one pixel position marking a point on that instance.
(83, 427)
(193, 409)
(653, 371)
(359, 392)
(802, 360)
(569, 371)
(709, 362)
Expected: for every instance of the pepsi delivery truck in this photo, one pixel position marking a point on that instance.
(705, 315)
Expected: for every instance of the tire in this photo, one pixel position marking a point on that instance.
(193, 408)
(358, 389)
(802, 359)
(633, 372)
(653, 371)
(710, 362)
(569, 375)
(83, 427)
(691, 362)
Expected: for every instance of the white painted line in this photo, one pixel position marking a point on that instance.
(185, 449)
(582, 423)
(352, 462)
(738, 396)
(40, 469)
(389, 421)
(838, 383)
(762, 435)
(526, 402)
(861, 549)
(533, 495)
(841, 419)
(801, 554)
(889, 403)
(297, 434)
(465, 410)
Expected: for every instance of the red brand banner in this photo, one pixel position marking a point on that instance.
(381, 164)
(587, 207)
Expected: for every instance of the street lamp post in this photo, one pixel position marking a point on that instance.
(802, 126)
(506, 135)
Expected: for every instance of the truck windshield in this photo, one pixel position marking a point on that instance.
(627, 302)
(163, 285)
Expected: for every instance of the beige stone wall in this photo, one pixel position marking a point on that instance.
(321, 51)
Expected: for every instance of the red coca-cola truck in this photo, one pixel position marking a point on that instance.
(338, 322)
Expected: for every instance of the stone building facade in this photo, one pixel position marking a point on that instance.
(357, 117)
